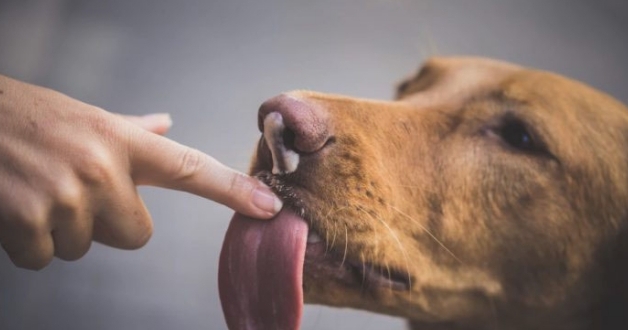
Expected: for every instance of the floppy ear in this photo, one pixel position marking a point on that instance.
(426, 76)
(402, 87)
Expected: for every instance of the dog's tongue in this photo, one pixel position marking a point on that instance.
(261, 272)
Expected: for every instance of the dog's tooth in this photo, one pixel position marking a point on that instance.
(284, 159)
(313, 237)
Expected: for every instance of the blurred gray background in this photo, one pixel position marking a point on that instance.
(210, 64)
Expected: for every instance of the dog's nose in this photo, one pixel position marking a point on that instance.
(292, 127)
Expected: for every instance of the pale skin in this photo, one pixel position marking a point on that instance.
(69, 173)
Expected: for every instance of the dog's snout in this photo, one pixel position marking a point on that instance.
(292, 127)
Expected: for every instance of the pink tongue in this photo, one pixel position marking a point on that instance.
(260, 272)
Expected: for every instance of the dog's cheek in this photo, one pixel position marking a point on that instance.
(519, 225)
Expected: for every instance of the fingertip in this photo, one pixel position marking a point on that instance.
(160, 119)
(158, 123)
(247, 195)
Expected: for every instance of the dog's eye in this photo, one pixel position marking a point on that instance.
(516, 135)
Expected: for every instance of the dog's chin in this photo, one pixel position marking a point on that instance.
(323, 264)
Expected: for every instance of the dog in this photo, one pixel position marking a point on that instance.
(486, 196)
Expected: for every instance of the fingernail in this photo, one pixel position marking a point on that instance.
(158, 119)
(264, 199)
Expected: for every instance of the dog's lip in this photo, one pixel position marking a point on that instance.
(321, 262)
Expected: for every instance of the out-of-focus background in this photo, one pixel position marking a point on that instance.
(210, 63)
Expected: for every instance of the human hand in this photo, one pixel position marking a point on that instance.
(69, 171)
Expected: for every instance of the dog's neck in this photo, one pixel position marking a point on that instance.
(610, 312)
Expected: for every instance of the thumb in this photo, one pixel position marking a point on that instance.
(158, 123)
(158, 161)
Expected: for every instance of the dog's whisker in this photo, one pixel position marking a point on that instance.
(333, 239)
(327, 247)
(389, 276)
(344, 256)
(403, 252)
(329, 244)
(363, 272)
(335, 230)
(428, 232)
(401, 247)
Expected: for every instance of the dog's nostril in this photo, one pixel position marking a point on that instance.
(288, 139)
(293, 127)
(285, 160)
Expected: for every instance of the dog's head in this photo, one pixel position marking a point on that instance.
(487, 195)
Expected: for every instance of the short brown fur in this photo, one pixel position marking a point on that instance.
(490, 237)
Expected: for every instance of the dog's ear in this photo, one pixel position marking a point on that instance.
(427, 76)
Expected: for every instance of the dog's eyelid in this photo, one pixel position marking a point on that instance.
(520, 135)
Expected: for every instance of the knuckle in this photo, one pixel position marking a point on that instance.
(68, 197)
(24, 201)
(96, 165)
(31, 219)
(141, 236)
(101, 122)
(29, 226)
(128, 230)
(190, 164)
(238, 183)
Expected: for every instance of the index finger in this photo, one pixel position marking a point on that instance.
(158, 161)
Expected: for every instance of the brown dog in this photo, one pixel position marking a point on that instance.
(487, 196)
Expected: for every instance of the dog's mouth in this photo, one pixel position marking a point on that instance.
(263, 263)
